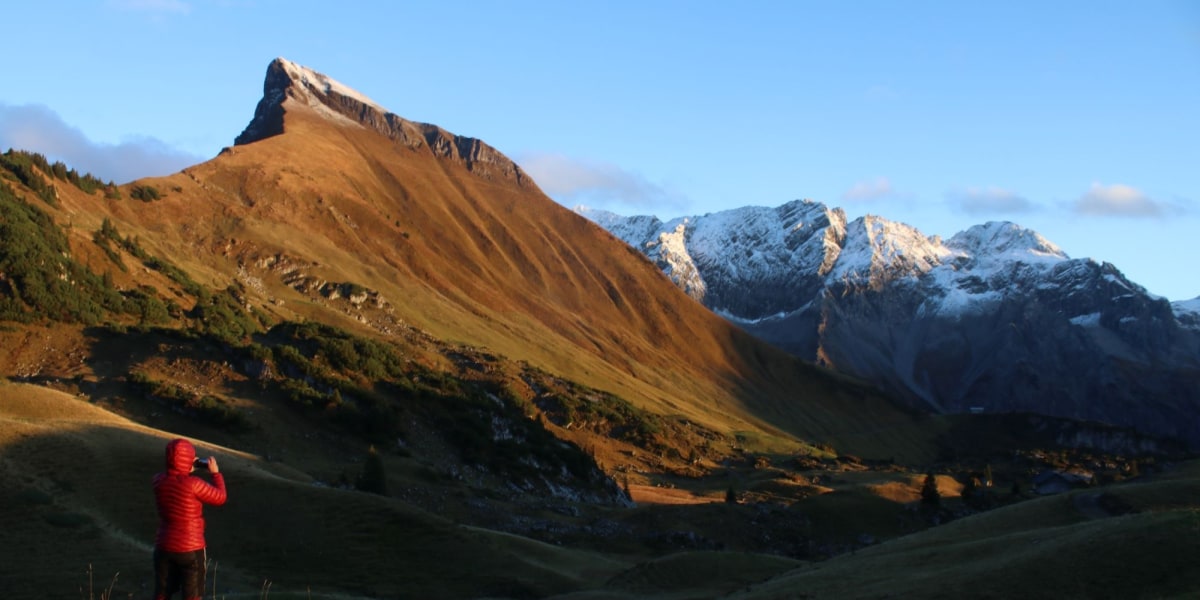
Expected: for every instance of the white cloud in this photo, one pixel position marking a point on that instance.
(572, 181)
(993, 200)
(865, 191)
(38, 129)
(1119, 200)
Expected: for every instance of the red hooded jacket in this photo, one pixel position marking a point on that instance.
(180, 497)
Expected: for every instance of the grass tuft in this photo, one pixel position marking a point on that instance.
(105, 594)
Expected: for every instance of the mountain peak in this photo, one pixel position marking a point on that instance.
(321, 84)
(287, 83)
(875, 248)
(1007, 241)
(268, 115)
(289, 86)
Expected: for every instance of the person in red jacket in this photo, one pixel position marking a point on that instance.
(179, 548)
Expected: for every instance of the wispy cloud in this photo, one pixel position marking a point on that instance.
(989, 201)
(574, 181)
(38, 129)
(866, 191)
(1119, 200)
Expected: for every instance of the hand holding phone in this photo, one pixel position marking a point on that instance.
(209, 463)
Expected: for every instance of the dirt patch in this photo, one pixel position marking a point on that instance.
(31, 351)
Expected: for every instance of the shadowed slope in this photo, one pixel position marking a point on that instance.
(78, 493)
(1046, 548)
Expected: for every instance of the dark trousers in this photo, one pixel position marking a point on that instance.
(179, 570)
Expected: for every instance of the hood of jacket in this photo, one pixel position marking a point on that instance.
(180, 454)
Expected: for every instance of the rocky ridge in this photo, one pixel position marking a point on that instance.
(997, 318)
(289, 86)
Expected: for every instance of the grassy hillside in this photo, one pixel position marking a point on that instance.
(1131, 540)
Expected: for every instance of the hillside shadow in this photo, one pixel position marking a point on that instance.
(80, 495)
(114, 352)
(825, 409)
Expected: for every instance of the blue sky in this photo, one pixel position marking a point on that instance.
(1080, 120)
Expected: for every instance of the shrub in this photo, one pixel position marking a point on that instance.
(351, 356)
(41, 280)
(204, 407)
(621, 419)
(19, 158)
(222, 316)
(373, 478)
(144, 303)
(22, 164)
(145, 193)
(102, 238)
(930, 496)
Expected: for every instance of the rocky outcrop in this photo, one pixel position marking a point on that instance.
(997, 318)
(289, 86)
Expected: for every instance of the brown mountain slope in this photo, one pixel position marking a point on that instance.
(460, 244)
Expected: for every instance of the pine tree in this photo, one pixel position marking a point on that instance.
(372, 479)
(970, 491)
(929, 492)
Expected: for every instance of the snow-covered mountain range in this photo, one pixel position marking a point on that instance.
(997, 318)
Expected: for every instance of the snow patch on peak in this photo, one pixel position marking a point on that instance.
(1187, 312)
(1003, 241)
(290, 85)
(875, 246)
(673, 252)
(634, 231)
(1192, 305)
(599, 216)
(323, 84)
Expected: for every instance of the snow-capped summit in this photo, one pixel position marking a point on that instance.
(322, 84)
(997, 317)
(290, 86)
(706, 255)
(876, 248)
(1007, 242)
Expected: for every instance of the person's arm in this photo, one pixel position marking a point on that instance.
(211, 493)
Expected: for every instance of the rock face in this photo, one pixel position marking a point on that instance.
(289, 86)
(997, 318)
